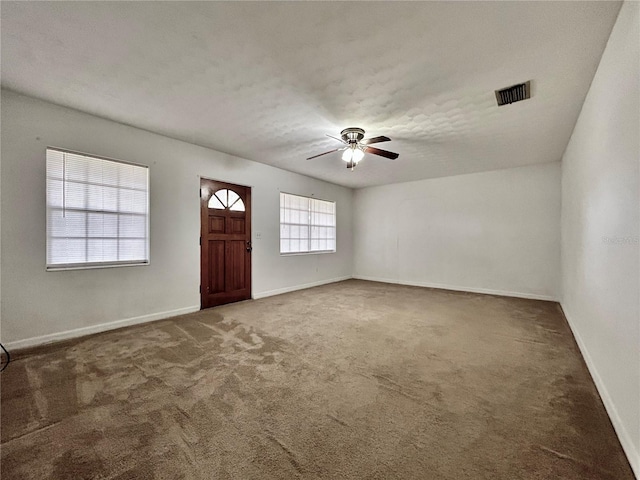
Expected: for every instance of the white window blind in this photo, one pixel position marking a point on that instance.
(306, 224)
(97, 211)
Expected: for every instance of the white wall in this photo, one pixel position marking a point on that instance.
(600, 229)
(36, 303)
(496, 232)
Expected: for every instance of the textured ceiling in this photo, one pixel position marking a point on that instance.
(267, 80)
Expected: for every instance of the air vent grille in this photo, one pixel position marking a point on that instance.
(515, 93)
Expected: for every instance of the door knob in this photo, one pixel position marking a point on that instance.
(249, 247)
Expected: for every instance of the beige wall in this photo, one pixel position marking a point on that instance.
(495, 232)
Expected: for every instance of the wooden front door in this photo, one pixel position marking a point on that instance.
(225, 243)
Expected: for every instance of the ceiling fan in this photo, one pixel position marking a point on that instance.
(357, 146)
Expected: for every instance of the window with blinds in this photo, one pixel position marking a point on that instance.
(97, 211)
(307, 225)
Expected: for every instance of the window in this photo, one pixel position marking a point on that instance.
(306, 225)
(223, 199)
(97, 211)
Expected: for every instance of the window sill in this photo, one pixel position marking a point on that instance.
(94, 266)
(293, 254)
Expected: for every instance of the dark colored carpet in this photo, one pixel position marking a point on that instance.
(354, 380)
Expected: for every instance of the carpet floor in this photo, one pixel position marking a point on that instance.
(353, 380)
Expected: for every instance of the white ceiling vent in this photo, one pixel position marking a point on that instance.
(514, 93)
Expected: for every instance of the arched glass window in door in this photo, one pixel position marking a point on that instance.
(225, 199)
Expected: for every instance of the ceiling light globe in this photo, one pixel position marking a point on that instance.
(357, 155)
(347, 155)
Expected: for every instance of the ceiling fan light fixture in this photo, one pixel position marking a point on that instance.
(353, 154)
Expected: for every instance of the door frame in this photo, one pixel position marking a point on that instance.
(249, 221)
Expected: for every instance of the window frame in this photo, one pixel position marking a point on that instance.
(104, 264)
(310, 226)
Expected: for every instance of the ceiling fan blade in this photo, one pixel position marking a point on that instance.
(335, 138)
(382, 153)
(325, 153)
(369, 141)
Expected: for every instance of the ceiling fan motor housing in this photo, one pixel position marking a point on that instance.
(352, 135)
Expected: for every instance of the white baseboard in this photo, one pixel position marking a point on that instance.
(623, 434)
(278, 291)
(102, 327)
(487, 291)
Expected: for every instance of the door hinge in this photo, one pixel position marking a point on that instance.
(200, 289)
(200, 241)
